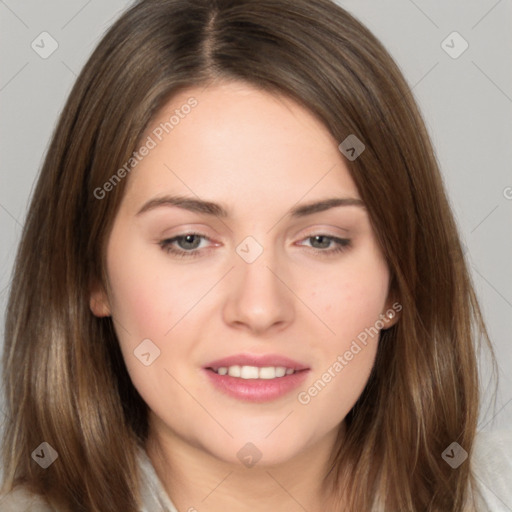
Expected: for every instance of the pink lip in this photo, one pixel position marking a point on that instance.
(260, 361)
(256, 390)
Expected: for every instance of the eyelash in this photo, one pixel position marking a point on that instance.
(342, 245)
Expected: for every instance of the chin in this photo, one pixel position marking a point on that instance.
(244, 450)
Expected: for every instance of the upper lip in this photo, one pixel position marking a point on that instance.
(259, 360)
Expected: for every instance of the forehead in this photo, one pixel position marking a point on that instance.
(235, 142)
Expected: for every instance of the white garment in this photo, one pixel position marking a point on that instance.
(491, 460)
(492, 467)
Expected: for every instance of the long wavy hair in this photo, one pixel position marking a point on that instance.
(64, 376)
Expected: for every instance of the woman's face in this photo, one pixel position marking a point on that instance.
(217, 252)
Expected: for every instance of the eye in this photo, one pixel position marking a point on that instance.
(188, 245)
(184, 246)
(328, 245)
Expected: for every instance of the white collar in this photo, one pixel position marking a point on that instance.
(154, 497)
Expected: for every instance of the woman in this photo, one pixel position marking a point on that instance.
(240, 285)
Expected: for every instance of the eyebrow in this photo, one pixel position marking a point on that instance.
(210, 208)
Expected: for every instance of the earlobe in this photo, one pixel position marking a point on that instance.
(392, 314)
(99, 304)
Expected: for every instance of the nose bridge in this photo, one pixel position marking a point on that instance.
(257, 297)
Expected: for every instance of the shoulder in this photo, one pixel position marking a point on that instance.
(491, 463)
(20, 499)
(153, 494)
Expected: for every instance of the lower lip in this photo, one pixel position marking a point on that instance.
(257, 390)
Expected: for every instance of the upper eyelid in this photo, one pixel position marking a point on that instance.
(309, 232)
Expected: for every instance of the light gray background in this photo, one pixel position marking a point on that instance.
(467, 104)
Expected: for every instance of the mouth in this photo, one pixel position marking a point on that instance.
(256, 378)
(254, 372)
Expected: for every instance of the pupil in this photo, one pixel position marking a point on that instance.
(189, 239)
(320, 238)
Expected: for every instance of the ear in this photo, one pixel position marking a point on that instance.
(98, 301)
(392, 313)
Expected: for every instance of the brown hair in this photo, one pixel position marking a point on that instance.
(64, 376)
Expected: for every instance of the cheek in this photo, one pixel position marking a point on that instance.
(351, 306)
(149, 299)
(350, 302)
(148, 294)
(138, 303)
(352, 298)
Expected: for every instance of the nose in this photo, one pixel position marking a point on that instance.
(259, 297)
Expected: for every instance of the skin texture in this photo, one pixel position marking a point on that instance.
(258, 155)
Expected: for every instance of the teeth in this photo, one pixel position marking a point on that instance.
(268, 372)
(280, 371)
(249, 372)
(234, 371)
(254, 372)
